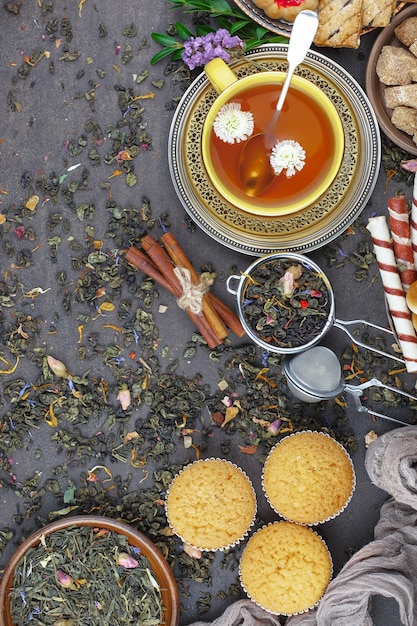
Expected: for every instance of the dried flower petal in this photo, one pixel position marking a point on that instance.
(248, 449)
(410, 166)
(32, 203)
(192, 552)
(129, 436)
(125, 560)
(231, 413)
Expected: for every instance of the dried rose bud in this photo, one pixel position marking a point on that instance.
(289, 284)
(410, 166)
(57, 367)
(124, 397)
(64, 579)
(274, 427)
(125, 560)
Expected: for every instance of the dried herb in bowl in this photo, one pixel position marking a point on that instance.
(89, 572)
(285, 303)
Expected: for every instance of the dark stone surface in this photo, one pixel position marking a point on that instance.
(34, 138)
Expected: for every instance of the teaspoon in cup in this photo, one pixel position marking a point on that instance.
(255, 171)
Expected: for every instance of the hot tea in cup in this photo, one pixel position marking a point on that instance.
(309, 127)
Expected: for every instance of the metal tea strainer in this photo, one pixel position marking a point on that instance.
(246, 278)
(316, 375)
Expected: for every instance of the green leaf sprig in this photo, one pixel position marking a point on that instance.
(225, 16)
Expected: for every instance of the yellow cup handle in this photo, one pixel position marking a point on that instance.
(219, 74)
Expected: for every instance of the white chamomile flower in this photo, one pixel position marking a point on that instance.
(287, 155)
(232, 124)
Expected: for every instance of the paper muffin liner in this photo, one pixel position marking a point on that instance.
(324, 519)
(312, 606)
(206, 548)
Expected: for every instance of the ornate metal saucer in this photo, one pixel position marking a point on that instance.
(311, 227)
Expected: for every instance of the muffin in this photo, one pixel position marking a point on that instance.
(308, 478)
(285, 568)
(211, 504)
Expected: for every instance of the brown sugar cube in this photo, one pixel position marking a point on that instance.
(405, 119)
(377, 13)
(401, 95)
(406, 32)
(413, 48)
(396, 66)
(340, 23)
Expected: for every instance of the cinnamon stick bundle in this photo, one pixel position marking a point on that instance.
(180, 259)
(138, 259)
(159, 263)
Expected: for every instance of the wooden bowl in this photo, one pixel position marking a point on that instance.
(375, 89)
(160, 567)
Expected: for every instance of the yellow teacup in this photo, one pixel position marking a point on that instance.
(308, 118)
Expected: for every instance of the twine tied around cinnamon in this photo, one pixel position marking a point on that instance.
(192, 296)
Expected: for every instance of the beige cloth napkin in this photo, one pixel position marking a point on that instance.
(386, 566)
(243, 613)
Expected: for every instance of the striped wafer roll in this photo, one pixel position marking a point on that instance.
(394, 293)
(399, 222)
(413, 221)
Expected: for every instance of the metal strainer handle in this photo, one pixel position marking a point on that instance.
(356, 393)
(375, 382)
(302, 371)
(342, 323)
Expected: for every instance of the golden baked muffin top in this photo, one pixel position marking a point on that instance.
(308, 477)
(211, 504)
(285, 568)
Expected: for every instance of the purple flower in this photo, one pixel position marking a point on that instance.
(200, 50)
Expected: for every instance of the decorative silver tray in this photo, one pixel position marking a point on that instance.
(279, 27)
(306, 229)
